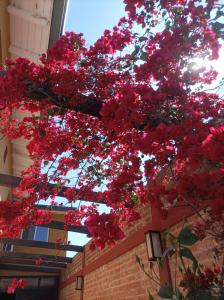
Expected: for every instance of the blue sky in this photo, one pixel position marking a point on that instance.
(91, 17)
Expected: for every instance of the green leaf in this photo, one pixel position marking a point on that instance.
(144, 56)
(186, 237)
(219, 14)
(166, 291)
(218, 26)
(191, 294)
(59, 186)
(143, 39)
(138, 259)
(204, 295)
(185, 252)
(164, 14)
(150, 297)
(171, 239)
(178, 294)
(135, 52)
(168, 23)
(168, 252)
(180, 269)
(42, 132)
(151, 265)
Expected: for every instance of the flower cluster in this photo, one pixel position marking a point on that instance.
(38, 261)
(120, 122)
(203, 281)
(16, 284)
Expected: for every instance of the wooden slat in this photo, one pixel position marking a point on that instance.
(13, 181)
(20, 261)
(60, 225)
(36, 256)
(40, 244)
(55, 208)
(8, 180)
(29, 268)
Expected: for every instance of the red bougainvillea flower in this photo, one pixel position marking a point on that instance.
(126, 122)
(38, 262)
(15, 284)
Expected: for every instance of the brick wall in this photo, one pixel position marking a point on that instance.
(202, 250)
(113, 274)
(68, 277)
(91, 256)
(119, 279)
(70, 293)
(108, 275)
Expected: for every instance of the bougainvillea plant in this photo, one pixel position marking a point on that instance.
(126, 122)
(16, 284)
(198, 282)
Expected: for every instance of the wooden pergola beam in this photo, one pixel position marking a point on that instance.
(55, 207)
(40, 244)
(60, 226)
(32, 256)
(28, 268)
(21, 261)
(14, 181)
(9, 180)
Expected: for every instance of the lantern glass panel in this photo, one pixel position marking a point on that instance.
(156, 243)
(149, 245)
(79, 280)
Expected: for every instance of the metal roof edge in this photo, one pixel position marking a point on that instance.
(57, 20)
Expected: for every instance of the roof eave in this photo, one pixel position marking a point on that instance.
(57, 20)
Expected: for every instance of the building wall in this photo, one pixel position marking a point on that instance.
(114, 273)
(24, 31)
(68, 278)
(120, 279)
(111, 273)
(5, 145)
(29, 23)
(4, 30)
(5, 165)
(54, 234)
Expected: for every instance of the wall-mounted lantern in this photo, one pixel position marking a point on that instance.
(154, 245)
(79, 283)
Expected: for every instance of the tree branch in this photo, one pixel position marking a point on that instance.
(88, 105)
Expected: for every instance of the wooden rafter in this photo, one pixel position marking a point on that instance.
(60, 225)
(16, 267)
(13, 181)
(32, 256)
(40, 244)
(21, 261)
(8, 180)
(55, 207)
